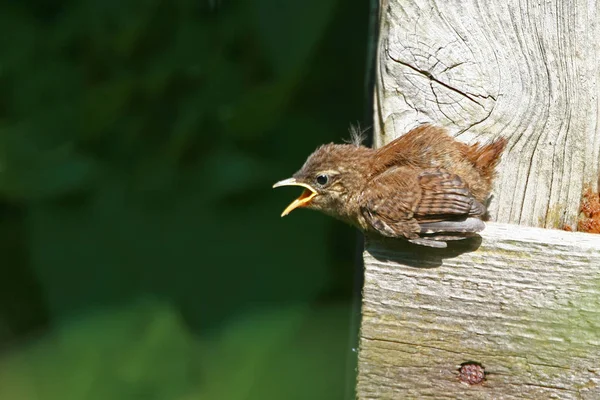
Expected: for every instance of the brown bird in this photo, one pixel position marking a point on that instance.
(425, 186)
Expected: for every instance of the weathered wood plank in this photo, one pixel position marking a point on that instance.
(525, 304)
(527, 71)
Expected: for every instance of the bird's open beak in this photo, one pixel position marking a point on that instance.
(305, 198)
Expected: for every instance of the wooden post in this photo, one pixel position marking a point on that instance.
(524, 302)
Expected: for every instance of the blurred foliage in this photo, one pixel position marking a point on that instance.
(145, 351)
(138, 144)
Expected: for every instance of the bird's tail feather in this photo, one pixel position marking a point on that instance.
(486, 157)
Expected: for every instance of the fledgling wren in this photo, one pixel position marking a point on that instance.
(424, 186)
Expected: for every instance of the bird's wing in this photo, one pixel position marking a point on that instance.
(388, 203)
(402, 203)
(445, 196)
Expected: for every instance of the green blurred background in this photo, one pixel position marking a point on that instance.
(142, 252)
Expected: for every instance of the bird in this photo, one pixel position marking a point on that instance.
(425, 187)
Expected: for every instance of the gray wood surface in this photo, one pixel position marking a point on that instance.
(525, 304)
(522, 301)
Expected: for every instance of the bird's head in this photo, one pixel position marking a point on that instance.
(330, 176)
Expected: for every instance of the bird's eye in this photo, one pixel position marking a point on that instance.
(322, 179)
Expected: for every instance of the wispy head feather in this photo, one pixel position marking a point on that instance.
(357, 135)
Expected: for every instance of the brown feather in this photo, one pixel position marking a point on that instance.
(445, 194)
(428, 146)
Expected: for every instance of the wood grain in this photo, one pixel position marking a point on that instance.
(524, 70)
(525, 304)
(523, 301)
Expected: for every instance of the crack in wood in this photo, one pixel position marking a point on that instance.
(430, 76)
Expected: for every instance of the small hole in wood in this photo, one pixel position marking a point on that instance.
(471, 373)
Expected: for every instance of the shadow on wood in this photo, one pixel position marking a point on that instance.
(406, 253)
